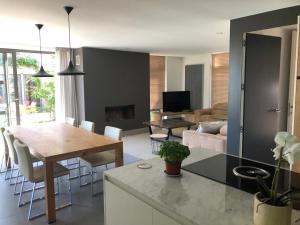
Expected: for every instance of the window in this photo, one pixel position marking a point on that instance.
(157, 81)
(220, 77)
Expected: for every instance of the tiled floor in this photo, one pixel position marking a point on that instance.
(86, 210)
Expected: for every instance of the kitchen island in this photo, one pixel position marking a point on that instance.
(136, 196)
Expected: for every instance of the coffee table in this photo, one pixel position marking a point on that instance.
(169, 124)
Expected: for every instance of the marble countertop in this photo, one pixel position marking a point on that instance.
(189, 199)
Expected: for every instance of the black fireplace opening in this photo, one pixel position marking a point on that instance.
(117, 113)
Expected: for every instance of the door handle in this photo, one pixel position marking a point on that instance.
(276, 110)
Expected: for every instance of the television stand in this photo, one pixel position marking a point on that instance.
(162, 114)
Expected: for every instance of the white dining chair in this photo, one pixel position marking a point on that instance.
(101, 158)
(70, 121)
(70, 164)
(5, 159)
(9, 138)
(35, 175)
(87, 125)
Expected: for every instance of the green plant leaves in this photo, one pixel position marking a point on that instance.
(172, 151)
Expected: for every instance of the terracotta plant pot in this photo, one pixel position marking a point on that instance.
(173, 168)
(265, 214)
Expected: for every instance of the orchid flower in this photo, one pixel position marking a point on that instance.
(291, 149)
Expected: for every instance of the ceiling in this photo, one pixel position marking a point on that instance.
(171, 27)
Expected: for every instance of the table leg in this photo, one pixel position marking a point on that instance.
(49, 191)
(150, 130)
(169, 133)
(119, 155)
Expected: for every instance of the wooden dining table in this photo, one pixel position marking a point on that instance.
(53, 141)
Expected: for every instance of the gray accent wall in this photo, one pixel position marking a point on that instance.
(115, 78)
(277, 18)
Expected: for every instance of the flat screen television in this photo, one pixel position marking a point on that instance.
(176, 101)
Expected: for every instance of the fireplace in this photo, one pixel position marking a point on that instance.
(117, 113)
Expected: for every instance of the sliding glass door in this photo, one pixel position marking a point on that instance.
(36, 95)
(9, 102)
(23, 98)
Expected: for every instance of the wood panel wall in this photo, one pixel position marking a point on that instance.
(157, 81)
(220, 78)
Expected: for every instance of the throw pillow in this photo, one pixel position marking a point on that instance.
(223, 130)
(210, 127)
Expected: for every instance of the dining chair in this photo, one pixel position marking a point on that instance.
(87, 125)
(35, 175)
(70, 121)
(9, 138)
(5, 159)
(101, 158)
(69, 163)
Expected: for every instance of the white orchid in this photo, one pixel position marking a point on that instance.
(293, 153)
(286, 143)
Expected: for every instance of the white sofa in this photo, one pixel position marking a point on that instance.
(216, 142)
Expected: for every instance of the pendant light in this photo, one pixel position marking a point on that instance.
(41, 72)
(71, 69)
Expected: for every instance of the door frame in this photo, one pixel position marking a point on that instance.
(242, 93)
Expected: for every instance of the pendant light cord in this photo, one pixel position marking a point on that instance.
(41, 47)
(69, 36)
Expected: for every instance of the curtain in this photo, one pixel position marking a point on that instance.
(66, 101)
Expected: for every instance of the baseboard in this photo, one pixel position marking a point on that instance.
(135, 131)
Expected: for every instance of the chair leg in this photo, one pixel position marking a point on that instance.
(7, 169)
(92, 181)
(31, 200)
(70, 190)
(21, 191)
(57, 183)
(16, 183)
(11, 173)
(80, 183)
(2, 161)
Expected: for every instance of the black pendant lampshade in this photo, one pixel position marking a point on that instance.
(41, 72)
(71, 69)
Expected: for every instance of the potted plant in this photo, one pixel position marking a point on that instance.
(173, 153)
(270, 206)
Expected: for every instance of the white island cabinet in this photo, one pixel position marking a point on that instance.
(122, 208)
(136, 196)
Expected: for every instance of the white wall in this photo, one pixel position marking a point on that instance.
(205, 59)
(175, 74)
(174, 79)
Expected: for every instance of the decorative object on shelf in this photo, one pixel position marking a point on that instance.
(270, 206)
(41, 72)
(71, 69)
(173, 153)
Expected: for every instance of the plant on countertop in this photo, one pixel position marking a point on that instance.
(172, 151)
(286, 149)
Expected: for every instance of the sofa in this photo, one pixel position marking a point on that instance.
(216, 142)
(218, 112)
